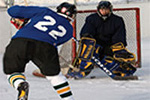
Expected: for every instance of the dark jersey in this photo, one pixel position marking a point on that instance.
(106, 32)
(45, 25)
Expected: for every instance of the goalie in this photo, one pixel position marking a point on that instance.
(106, 31)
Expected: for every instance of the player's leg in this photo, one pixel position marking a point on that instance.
(18, 81)
(48, 62)
(61, 86)
(14, 65)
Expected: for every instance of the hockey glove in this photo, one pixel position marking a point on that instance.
(18, 23)
(122, 54)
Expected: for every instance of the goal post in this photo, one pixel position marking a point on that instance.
(131, 18)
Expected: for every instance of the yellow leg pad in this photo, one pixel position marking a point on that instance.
(88, 64)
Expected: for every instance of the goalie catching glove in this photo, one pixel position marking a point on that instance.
(19, 23)
(122, 54)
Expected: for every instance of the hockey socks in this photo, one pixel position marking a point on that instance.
(17, 80)
(61, 86)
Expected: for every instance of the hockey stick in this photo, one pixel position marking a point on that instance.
(69, 65)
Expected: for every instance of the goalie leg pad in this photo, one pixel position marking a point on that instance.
(117, 68)
(86, 48)
(98, 48)
(83, 58)
(85, 68)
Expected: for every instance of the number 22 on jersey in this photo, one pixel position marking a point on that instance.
(42, 25)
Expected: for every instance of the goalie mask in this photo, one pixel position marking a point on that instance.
(67, 9)
(104, 5)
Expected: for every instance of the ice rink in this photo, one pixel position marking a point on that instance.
(102, 88)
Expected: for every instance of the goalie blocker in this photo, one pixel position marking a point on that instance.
(118, 67)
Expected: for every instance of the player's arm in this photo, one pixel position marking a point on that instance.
(25, 11)
(21, 14)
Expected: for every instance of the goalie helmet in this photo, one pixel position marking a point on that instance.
(104, 5)
(67, 9)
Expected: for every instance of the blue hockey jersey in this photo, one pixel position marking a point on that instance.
(45, 25)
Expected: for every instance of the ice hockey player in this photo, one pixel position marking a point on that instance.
(109, 32)
(37, 41)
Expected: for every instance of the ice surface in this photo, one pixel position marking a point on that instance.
(102, 88)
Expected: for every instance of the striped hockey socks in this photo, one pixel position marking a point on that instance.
(61, 85)
(15, 79)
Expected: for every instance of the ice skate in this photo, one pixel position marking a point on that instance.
(23, 89)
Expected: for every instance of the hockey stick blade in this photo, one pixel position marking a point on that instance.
(38, 73)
